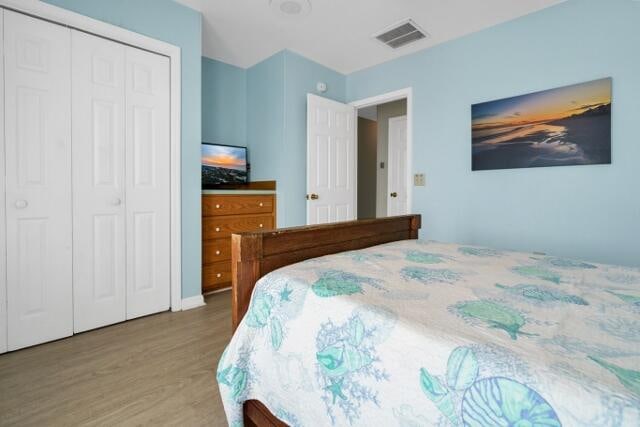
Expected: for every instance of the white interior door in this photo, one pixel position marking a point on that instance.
(397, 167)
(3, 240)
(147, 189)
(99, 258)
(38, 180)
(331, 161)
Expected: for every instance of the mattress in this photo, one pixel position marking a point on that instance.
(421, 333)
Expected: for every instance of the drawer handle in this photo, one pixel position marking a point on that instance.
(217, 206)
(219, 275)
(261, 226)
(217, 252)
(261, 204)
(217, 228)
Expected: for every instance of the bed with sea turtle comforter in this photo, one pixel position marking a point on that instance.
(420, 333)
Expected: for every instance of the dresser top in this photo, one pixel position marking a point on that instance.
(238, 192)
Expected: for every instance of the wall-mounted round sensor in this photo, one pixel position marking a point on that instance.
(291, 8)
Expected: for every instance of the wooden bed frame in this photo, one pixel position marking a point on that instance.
(255, 254)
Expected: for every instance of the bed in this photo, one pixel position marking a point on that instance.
(360, 323)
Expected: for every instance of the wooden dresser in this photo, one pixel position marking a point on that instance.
(224, 213)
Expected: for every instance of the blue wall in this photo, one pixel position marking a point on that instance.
(265, 118)
(224, 103)
(170, 22)
(590, 212)
(276, 125)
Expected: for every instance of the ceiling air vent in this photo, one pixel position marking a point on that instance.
(401, 34)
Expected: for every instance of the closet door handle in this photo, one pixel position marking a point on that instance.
(21, 204)
(116, 201)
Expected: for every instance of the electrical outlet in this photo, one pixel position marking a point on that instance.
(418, 180)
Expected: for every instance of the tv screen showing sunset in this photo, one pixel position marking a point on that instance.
(223, 164)
(558, 127)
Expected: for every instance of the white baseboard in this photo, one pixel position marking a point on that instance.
(192, 302)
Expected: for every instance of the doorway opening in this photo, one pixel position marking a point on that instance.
(383, 156)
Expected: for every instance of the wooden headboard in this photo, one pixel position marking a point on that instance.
(255, 254)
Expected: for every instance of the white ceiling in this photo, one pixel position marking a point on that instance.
(337, 33)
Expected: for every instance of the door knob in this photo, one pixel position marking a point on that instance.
(394, 194)
(116, 201)
(21, 204)
(313, 196)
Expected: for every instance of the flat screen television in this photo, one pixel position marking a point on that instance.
(223, 165)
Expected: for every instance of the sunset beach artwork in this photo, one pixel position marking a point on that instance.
(566, 126)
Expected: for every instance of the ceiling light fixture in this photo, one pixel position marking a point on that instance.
(291, 8)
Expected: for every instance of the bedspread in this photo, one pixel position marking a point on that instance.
(420, 333)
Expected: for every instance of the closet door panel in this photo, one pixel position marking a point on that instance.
(38, 180)
(99, 274)
(148, 183)
(3, 228)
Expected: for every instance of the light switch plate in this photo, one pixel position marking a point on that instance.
(418, 180)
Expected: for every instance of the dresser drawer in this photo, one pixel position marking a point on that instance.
(216, 250)
(219, 227)
(217, 273)
(216, 205)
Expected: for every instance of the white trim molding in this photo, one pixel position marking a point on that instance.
(74, 20)
(193, 302)
(406, 93)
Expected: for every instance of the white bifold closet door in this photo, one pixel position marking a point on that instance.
(99, 258)
(121, 160)
(148, 178)
(37, 107)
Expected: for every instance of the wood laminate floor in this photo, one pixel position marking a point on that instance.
(156, 370)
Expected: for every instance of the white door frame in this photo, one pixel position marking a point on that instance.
(71, 19)
(406, 93)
